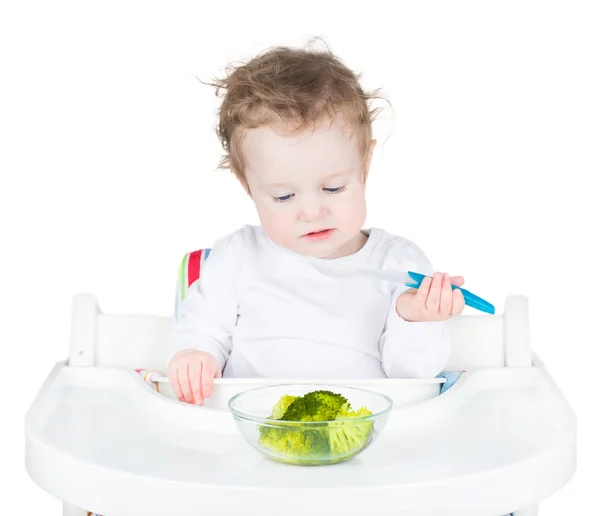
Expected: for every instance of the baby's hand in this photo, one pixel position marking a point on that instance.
(191, 373)
(433, 301)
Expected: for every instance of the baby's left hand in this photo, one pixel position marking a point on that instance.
(435, 300)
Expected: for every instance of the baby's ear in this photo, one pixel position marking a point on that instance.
(371, 149)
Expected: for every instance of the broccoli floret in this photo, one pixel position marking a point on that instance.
(347, 436)
(329, 443)
(315, 406)
(281, 406)
(294, 442)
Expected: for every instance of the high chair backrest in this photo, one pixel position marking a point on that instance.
(127, 341)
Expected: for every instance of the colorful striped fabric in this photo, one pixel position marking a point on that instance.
(189, 271)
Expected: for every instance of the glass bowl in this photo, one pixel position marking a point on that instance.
(309, 443)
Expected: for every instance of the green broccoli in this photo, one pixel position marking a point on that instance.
(334, 441)
(281, 406)
(315, 406)
(295, 442)
(348, 437)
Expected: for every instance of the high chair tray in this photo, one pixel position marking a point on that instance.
(102, 439)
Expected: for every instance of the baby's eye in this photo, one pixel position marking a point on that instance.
(335, 190)
(283, 198)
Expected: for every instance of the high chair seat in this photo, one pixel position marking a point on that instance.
(99, 437)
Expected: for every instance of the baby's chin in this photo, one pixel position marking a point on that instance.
(307, 248)
(323, 250)
(333, 244)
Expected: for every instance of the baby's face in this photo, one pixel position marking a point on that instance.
(308, 188)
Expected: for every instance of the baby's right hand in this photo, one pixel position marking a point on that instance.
(191, 373)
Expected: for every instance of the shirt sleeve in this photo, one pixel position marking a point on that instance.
(208, 314)
(412, 349)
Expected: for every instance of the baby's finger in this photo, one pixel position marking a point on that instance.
(207, 381)
(458, 302)
(423, 290)
(435, 292)
(446, 297)
(459, 281)
(196, 384)
(184, 381)
(174, 379)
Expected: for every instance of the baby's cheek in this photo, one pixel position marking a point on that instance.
(278, 226)
(354, 211)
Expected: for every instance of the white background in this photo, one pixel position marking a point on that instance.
(108, 160)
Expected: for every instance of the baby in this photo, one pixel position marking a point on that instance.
(296, 129)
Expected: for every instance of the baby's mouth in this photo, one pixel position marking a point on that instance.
(322, 234)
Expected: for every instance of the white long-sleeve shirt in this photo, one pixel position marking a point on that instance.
(265, 311)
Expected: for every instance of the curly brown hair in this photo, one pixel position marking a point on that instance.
(298, 87)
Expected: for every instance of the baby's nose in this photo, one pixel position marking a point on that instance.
(311, 210)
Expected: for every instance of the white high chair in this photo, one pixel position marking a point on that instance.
(99, 438)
